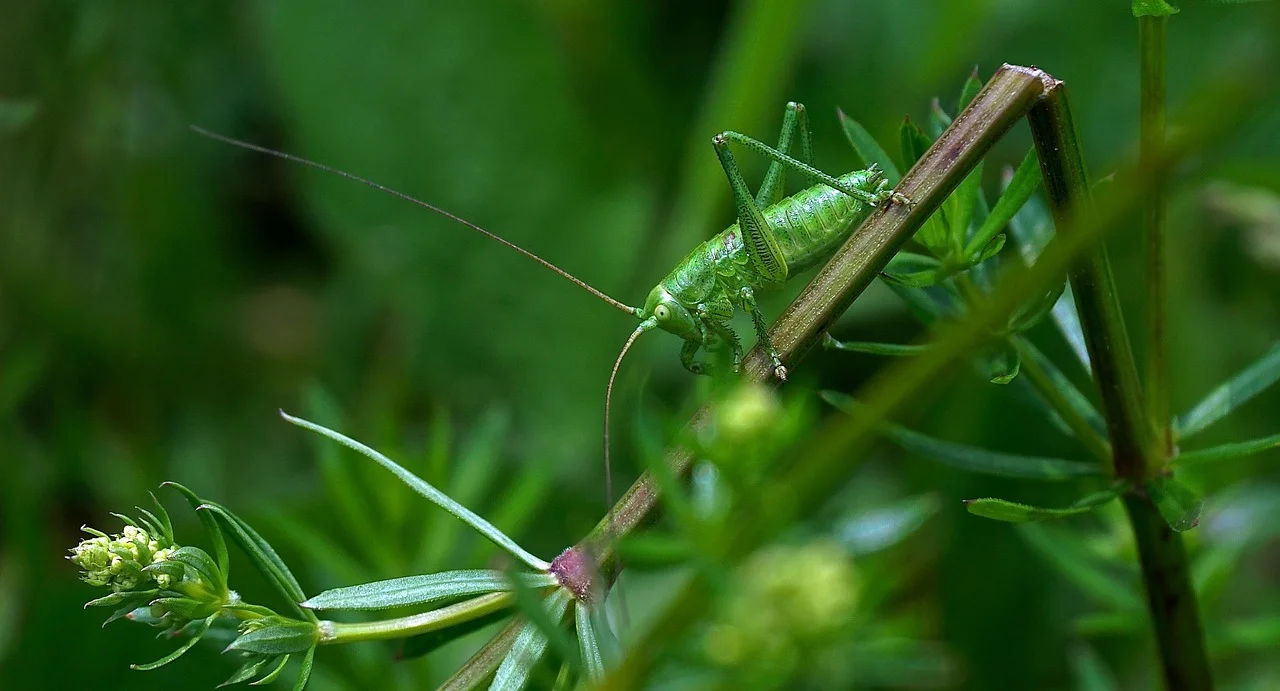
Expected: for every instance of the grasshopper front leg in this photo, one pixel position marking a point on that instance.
(715, 341)
(748, 297)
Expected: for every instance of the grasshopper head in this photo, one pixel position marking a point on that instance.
(670, 315)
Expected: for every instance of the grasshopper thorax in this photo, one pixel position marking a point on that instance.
(664, 309)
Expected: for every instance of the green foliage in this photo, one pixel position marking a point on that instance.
(158, 293)
(1013, 512)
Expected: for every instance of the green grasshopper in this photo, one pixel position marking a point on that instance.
(775, 237)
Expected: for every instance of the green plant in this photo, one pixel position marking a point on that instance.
(804, 476)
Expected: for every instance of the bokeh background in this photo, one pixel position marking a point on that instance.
(162, 295)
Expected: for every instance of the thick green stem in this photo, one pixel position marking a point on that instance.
(1175, 614)
(1066, 183)
(412, 625)
(1173, 605)
(1151, 48)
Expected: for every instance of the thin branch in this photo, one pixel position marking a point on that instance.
(1066, 183)
(1151, 48)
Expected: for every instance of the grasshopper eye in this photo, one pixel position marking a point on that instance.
(661, 312)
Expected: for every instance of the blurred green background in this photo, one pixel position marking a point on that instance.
(161, 295)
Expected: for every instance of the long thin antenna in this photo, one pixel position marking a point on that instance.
(430, 207)
(608, 466)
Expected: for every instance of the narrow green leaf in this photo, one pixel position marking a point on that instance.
(1111, 583)
(1025, 181)
(919, 279)
(199, 630)
(590, 647)
(533, 605)
(893, 349)
(210, 527)
(263, 555)
(278, 637)
(1067, 318)
(528, 647)
(1226, 452)
(1260, 634)
(246, 672)
(1032, 229)
(986, 252)
(966, 200)
(867, 149)
(1013, 512)
(1120, 623)
(972, 458)
(166, 525)
(969, 91)
(198, 561)
(938, 119)
(1233, 393)
(1091, 672)
(1034, 311)
(134, 599)
(273, 674)
(432, 494)
(911, 262)
(422, 590)
(1153, 8)
(304, 674)
(1002, 365)
(1179, 505)
(913, 140)
(1078, 402)
(913, 270)
(877, 529)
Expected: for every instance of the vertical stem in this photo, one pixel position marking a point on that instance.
(1151, 48)
(1174, 611)
(1066, 182)
(1175, 614)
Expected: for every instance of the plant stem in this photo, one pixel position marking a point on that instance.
(403, 627)
(1066, 184)
(1151, 48)
(1172, 602)
(1175, 614)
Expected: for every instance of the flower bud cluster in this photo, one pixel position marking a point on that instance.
(117, 561)
(787, 600)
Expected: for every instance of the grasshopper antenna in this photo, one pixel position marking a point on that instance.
(430, 207)
(609, 532)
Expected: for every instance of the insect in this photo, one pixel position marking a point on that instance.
(774, 237)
